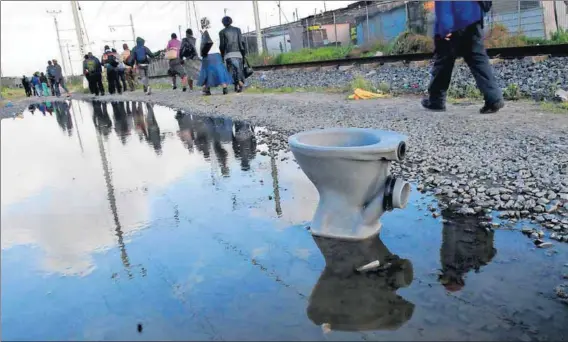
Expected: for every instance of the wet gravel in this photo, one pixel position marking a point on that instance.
(535, 78)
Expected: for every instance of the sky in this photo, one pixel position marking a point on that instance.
(28, 35)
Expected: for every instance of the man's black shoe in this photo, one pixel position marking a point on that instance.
(437, 107)
(492, 108)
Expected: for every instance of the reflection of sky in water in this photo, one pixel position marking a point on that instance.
(203, 253)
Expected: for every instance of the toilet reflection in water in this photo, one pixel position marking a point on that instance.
(347, 300)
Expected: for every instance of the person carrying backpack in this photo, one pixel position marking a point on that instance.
(189, 53)
(140, 57)
(110, 62)
(176, 62)
(50, 73)
(92, 69)
(458, 31)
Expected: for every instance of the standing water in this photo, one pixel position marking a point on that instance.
(121, 221)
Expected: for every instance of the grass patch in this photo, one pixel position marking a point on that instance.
(12, 93)
(555, 107)
(512, 92)
(362, 83)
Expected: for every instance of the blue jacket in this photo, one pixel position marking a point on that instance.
(35, 80)
(452, 16)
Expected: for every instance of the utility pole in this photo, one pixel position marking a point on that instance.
(70, 62)
(368, 28)
(257, 25)
(324, 7)
(195, 13)
(84, 26)
(187, 16)
(54, 14)
(297, 17)
(280, 23)
(132, 26)
(179, 28)
(78, 27)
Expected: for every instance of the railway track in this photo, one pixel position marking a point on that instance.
(505, 53)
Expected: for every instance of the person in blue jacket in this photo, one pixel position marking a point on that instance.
(458, 31)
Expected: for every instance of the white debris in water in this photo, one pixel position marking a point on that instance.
(370, 266)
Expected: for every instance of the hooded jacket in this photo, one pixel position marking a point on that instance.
(452, 16)
(50, 71)
(57, 72)
(140, 54)
(92, 65)
(187, 49)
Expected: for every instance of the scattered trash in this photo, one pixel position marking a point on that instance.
(541, 244)
(360, 94)
(561, 95)
(9, 104)
(326, 328)
(139, 327)
(370, 266)
(379, 54)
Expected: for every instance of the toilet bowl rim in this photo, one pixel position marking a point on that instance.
(388, 141)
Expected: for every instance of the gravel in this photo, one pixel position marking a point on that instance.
(536, 79)
(515, 162)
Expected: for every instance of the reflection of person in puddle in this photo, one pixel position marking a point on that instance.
(186, 133)
(122, 124)
(202, 135)
(222, 132)
(154, 136)
(139, 120)
(101, 119)
(465, 246)
(244, 143)
(63, 117)
(350, 301)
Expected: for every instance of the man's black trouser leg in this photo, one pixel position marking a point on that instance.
(475, 55)
(122, 78)
(98, 79)
(92, 85)
(111, 80)
(444, 60)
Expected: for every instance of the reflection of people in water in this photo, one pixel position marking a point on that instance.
(244, 143)
(63, 117)
(154, 136)
(32, 108)
(122, 122)
(42, 108)
(352, 301)
(465, 247)
(101, 119)
(222, 132)
(49, 108)
(139, 121)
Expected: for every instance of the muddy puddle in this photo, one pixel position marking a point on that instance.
(121, 221)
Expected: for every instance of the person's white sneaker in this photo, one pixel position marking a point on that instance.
(149, 91)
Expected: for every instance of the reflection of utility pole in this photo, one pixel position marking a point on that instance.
(112, 203)
(274, 173)
(76, 126)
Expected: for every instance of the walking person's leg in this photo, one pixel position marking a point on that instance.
(56, 89)
(444, 60)
(122, 77)
(111, 81)
(475, 55)
(130, 78)
(99, 82)
(117, 80)
(144, 74)
(38, 90)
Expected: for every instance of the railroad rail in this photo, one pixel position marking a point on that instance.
(555, 50)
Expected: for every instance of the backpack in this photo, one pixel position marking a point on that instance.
(485, 5)
(111, 59)
(187, 49)
(140, 52)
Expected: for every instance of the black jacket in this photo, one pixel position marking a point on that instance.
(231, 40)
(187, 48)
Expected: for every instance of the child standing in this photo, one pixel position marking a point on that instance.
(36, 83)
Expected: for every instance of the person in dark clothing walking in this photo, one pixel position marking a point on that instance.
(50, 73)
(26, 84)
(120, 69)
(110, 61)
(459, 32)
(59, 80)
(232, 48)
(93, 70)
(140, 57)
(189, 52)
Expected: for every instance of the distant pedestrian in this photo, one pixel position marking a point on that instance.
(213, 72)
(140, 57)
(175, 62)
(36, 83)
(188, 53)
(50, 73)
(44, 87)
(93, 70)
(59, 80)
(27, 86)
(110, 62)
(128, 70)
(121, 67)
(233, 50)
(458, 31)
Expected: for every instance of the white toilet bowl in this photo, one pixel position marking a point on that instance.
(350, 169)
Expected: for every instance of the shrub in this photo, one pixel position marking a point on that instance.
(362, 83)
(407, 43)
(512, 92)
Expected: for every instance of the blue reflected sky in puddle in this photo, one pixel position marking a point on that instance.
(117, 215)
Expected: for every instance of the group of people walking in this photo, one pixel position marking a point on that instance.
(45, 84)
(220, 65)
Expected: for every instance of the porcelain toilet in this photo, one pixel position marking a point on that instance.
(350, 169)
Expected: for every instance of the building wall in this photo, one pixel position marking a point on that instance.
(342, 34)
(382, 26)
(531, 21)
(273, 44)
